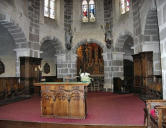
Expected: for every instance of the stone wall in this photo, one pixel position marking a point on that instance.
(68, 13)
(161, 10)
(151, 39)
(137, 26)
(34, 28)
(7, 54)
(66, 65)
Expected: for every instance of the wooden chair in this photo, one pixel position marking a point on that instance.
(96, 85)
(159, 121)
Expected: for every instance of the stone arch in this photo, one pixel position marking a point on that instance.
(50, 49)
(151, 30)
(106, 58)
(55, 42)
(15, 31)
(74, 49)
(121, 40)
(151, 41)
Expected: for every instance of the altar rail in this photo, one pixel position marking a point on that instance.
(10, 87)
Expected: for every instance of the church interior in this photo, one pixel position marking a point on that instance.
(83, 63)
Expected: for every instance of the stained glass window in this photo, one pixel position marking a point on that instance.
(88, 11)
(124, 6)
(92, 10)
(49, 8)
(127, 5)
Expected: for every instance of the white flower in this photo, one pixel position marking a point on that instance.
(85, 77)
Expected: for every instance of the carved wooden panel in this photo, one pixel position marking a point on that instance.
(143, 69)
(64, 100)
(90, 59)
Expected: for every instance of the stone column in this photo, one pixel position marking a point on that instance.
(34, 27)
(117, 64)
(108, 81)
(20, 52)
(66, 65)
(161, 9)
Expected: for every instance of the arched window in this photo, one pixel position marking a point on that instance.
(124, 6)
(49, 8)
(88, 11)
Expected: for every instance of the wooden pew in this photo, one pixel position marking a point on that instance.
(9, 87)
(159, 120)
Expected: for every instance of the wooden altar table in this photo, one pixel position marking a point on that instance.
(63, 99)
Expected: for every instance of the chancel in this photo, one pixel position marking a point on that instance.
(83, 63)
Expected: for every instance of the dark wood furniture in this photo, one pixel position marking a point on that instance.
(9, 87)
(20, 124)
(143, 71)
(63, 99)
(128, 75)
(51, 79)
(149, 86)
(159, 121)
(29, 73)
(154, 89)
(11, 90)
(97, 83)
(118, 84)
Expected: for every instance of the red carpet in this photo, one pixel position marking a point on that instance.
(103, 108)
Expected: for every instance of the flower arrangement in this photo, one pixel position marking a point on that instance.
(85, 77)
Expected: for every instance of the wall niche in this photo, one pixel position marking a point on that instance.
(2, 67)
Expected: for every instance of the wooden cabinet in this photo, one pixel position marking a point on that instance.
(63, 99)
(143, 70)
(29, 73)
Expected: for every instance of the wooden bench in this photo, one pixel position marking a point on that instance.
(159, 120)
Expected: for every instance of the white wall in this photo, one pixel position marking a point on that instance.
(10, 66)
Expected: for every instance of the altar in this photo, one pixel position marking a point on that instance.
(63, 99)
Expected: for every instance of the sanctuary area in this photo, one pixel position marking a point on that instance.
(82, 63)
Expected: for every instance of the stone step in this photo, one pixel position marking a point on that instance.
(18, 35)
(152, 17)
(2, 21)
(20, 40)
(17, 30)
(151, 26)
(11, 27)
(151, 21)
(7, 24)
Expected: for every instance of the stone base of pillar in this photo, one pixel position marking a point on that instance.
(108, 86)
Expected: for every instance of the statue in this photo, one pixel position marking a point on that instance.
(108, 36)
(68, 38)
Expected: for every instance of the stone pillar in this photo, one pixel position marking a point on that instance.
(108, 82)
(34, 27)
(137, 25)
(66, 65)
(117, 64)
(20, 52)
(161, 9)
